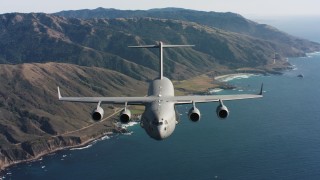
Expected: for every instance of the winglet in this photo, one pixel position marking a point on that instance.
(59, 95)
(261, 90)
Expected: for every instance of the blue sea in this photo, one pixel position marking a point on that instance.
(307, 27)
(276, 137)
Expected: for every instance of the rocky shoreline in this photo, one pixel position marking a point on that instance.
(30, 151)
(7, 158)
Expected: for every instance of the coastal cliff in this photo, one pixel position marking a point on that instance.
(87, 57)
(34, 123)
(27, 150)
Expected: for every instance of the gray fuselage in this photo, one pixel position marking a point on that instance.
(159, 119)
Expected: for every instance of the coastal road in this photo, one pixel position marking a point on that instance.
(90, 125)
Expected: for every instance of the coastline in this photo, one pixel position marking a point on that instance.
(106, 135)
(217, 82)
(99, 159)
(229, 77)
(5, 166)
(221, 78)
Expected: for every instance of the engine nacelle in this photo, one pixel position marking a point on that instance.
(125, 116)
(97, 114)
(222, 111)
(194, 114)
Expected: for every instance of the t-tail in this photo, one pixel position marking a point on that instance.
(160, 46)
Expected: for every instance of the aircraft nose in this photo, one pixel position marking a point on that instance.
(158, 132)
(159, 129)
(161, 132)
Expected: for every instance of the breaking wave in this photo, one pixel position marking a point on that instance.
(230, 77)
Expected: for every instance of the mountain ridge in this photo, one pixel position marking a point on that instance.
(100, 42)
(88, 57)
(227, 21)
(34, 122)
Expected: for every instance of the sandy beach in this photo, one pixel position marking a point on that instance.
(229, 77)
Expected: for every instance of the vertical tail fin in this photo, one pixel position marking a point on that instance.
(160, 46)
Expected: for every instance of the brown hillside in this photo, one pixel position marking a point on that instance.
(33, 121)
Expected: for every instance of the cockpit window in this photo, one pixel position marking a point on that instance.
(156, 123)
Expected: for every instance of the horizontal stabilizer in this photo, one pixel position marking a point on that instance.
(157, 46)
(145, 46)
(160, 46)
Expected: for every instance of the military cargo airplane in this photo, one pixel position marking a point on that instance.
(160, 117)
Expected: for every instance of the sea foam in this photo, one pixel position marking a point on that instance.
(80, 148)
(230, 77)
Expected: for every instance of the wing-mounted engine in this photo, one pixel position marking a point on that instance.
(194, 114)
(125, 115)
(222, 111)
(97, 114)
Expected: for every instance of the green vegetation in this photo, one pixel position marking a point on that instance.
(194, 85)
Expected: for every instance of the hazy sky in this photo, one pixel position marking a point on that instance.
(243, 7)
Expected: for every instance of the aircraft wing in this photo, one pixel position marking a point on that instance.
(148, 99)
(211, 98)
(214, 98)
(109, 100)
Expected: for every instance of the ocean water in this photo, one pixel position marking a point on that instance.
(306, 27)
(276, 137)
